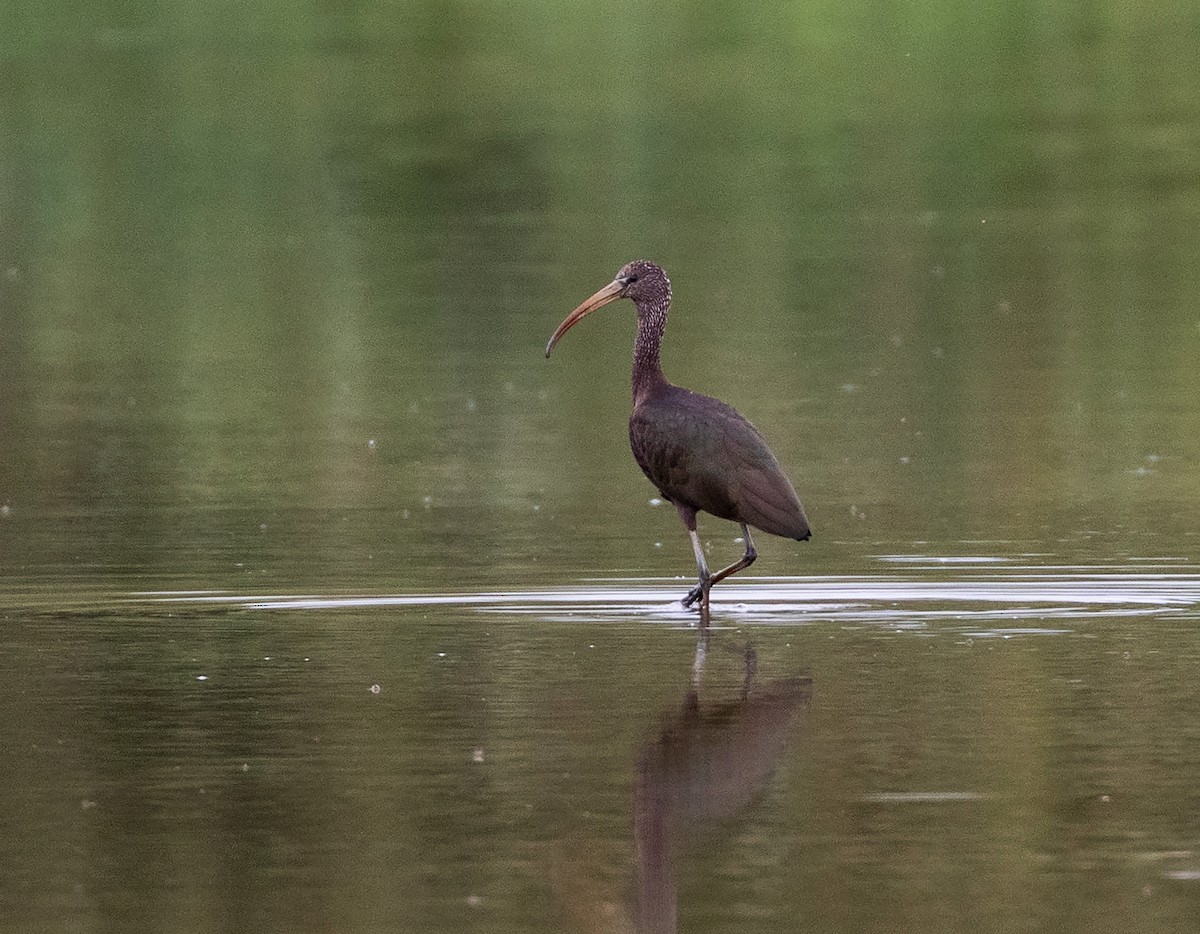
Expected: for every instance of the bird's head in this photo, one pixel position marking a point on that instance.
(643, 282)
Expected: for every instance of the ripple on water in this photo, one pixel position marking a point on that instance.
(984, 604)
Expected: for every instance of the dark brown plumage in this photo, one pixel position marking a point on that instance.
(701, 454)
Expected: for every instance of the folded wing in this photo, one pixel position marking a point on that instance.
(702, 453)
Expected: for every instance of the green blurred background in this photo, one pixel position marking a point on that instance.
(946, 259)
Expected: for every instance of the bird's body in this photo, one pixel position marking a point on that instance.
(700, 453)
(704, 456)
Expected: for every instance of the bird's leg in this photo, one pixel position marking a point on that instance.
(700, 591)
(745, 561)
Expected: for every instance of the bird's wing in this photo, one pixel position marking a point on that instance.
(764, 495)
(761, 492)
(702, 452)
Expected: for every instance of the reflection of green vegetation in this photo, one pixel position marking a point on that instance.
(245, 243)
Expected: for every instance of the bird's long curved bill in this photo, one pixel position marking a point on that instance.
(610, 293)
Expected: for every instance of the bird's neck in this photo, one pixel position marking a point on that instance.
(647, 368)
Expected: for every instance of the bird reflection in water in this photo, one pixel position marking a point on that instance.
(708, 763)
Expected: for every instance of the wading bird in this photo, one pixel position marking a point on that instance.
(701, 454)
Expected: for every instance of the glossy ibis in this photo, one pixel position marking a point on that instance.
(701, 454)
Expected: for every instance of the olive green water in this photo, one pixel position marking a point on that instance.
(328, 604)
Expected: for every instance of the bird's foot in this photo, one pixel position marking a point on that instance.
(693, 595)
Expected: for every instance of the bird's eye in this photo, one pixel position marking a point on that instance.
(632, 277)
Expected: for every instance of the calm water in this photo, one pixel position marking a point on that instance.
(328, 604)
